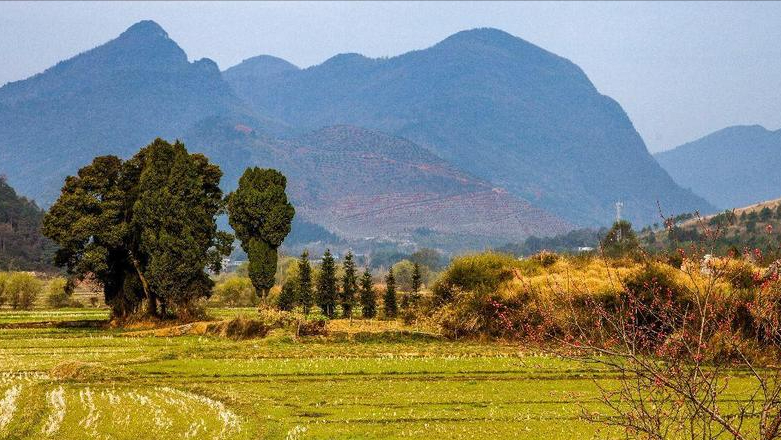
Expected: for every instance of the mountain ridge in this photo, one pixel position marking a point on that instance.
(494, 105)
(714, 163)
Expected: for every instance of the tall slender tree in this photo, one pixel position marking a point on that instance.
(326, 285)
(349, 285)
(368, 297)
(390, 305)
(414, 296)
(305, 295)
(261, 215)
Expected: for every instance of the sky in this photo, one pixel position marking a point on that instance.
(679, 70)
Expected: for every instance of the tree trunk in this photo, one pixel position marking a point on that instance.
(151, 299)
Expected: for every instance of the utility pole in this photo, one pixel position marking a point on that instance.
(619, 205)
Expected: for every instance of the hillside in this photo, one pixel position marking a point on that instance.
(735, 166)
(21, 244)
(494, 106)
(739, 230)
(362, 183)
(111, 99)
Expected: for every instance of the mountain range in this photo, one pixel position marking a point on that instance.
(493, 105)
(483, 134)
(735, 166)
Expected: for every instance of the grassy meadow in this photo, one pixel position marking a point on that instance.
(364, 380)
(66, 374)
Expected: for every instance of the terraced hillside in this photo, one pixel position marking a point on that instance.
(362, 183)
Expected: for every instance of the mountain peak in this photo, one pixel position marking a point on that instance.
(485, 36)
(270, 60)
(145, 28)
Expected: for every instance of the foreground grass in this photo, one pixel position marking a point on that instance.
(358, 383)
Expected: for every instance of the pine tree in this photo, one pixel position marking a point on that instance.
(305, 296)
(390, 306)
(349, 285)
(287, 297)
(368, 298)
(416, 278)
(326, 285)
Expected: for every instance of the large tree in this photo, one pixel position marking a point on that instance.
(261, 215)
(349, 285)
(144, 228)
(326, 285)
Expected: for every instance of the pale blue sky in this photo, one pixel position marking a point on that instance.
(680, 70)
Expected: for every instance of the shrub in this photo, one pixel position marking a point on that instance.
(22, 289)
(483, 273)
(313, 325)
(235, 291)
(402, 271)
(3, 283)
(238, 328)
(546, 258)
(739, 273)
(274, 318)
(57, 295)
(474, 314)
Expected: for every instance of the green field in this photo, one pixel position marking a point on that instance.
(349, 385)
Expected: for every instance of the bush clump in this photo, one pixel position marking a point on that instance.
(238, 328)
(20, 289)
(313, 325)
(479, 273)
(235, 291)
(58, 296)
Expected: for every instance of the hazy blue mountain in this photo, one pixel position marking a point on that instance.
(733, 167)
(491, 104)
(111, 99)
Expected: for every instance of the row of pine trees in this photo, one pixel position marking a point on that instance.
(346, 292)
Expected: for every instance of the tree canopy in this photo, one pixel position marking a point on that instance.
(261, 216)
(144, 228)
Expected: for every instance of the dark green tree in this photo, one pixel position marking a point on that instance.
(261, 215)
(144, 228)
(390, 305)
(175, 215)
(349, 285)
(326, 285)
(414, 296)
(368, 297)
(287, 297)
(620, 240)
(305, 295)
(91, 224)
